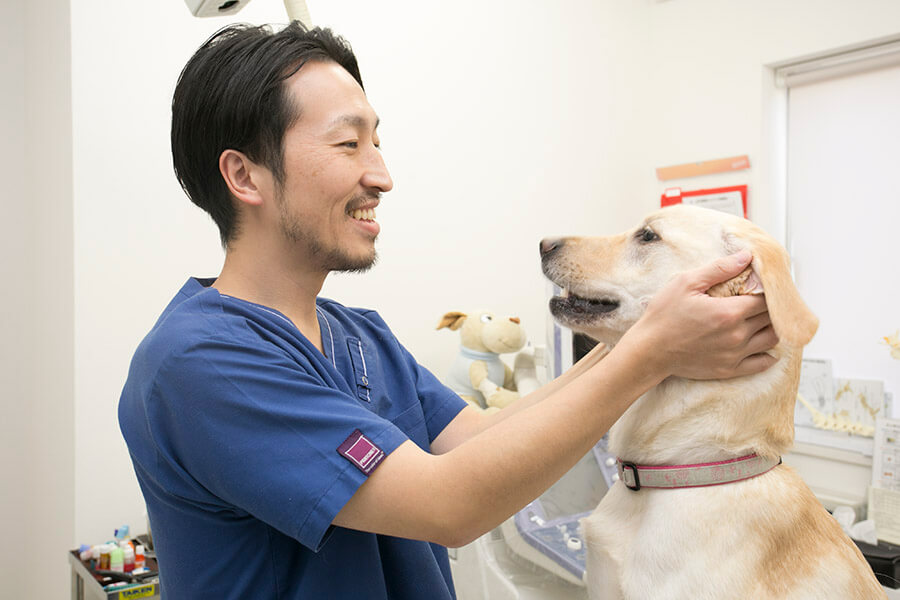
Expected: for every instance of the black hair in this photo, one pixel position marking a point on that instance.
(231, 95)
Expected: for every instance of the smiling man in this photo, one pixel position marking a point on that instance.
(290, 447)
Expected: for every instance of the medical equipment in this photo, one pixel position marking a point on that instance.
(549, 526)
(539, 553)
(296, 9)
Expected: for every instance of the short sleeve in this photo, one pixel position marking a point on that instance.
(439, 403)
(258, 431)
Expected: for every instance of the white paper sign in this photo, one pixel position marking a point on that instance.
(884, 495)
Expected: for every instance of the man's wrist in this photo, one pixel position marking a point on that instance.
(644, 352)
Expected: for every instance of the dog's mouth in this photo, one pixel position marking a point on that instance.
(569, 305)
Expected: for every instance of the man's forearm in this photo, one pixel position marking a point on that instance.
(524, 451)
(483, 422)
(482, 479)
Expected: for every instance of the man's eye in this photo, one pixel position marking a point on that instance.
(353, 144)
(647, 235)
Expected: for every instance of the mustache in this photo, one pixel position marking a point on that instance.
(363, 199)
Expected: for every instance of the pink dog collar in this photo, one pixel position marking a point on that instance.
(636, 477)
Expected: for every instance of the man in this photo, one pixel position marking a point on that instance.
(289, 447)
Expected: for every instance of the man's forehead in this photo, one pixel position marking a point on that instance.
(325, 91)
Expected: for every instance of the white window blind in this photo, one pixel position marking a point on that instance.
(843, 203)
(876, 55)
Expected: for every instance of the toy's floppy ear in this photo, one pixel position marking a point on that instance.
(769, 273)
(453, 320)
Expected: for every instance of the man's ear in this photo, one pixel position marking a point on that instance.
(246, 180)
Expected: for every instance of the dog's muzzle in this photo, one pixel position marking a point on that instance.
(577, 306)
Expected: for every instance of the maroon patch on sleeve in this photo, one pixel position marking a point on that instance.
(360, 451)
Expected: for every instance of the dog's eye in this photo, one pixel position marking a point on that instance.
(486, 318)
(646, 235)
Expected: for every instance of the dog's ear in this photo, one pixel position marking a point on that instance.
(454, 320)
(746, 283)
(770, 273)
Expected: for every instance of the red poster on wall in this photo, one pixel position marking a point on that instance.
(732, 199)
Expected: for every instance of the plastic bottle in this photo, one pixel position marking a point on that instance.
(139, 560)
(127, 559)
(122, 533)
(95, 556)
(116, 560)
(84, 552)
(104, 557)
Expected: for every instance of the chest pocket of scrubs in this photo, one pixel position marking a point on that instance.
(360, 369)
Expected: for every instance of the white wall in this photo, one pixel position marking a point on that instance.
(136, 236)
(483, 137)
(503, 122)
(710, 92)
(17, 353)
(36, 370)
(52, 444)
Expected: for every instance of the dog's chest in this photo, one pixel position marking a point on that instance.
(670, 543)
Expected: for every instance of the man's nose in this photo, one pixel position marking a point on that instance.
(377, 174)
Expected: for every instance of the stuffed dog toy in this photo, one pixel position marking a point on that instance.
(478, 374)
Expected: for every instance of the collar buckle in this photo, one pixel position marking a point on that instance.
(635, 483)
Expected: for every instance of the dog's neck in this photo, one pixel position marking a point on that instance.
(685, 421)
(638, 477)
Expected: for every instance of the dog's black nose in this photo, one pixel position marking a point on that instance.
(550, 245)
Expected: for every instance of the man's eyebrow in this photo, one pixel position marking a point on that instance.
(353, 121)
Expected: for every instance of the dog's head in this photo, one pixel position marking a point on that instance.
(608, 281)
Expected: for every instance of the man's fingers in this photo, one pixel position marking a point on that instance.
(761, 341)
(747, 307)
(758, 322)
(721, 269)
(755, 363)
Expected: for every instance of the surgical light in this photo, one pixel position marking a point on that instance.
(296, 9)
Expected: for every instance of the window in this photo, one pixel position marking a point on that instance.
(843, 205)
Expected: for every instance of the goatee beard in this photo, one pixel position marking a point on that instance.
(329, 259)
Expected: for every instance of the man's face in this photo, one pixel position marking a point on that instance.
(334, 172)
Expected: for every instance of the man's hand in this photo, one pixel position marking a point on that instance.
(690, 334)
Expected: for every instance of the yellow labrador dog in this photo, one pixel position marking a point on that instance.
(704, 509)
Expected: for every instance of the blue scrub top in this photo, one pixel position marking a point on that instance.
(247, 441)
